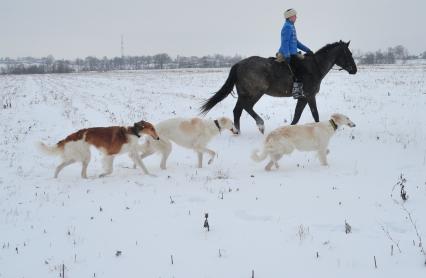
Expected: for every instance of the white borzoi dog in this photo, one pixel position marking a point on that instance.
(307, 137)
(193, 133)
(111, 141)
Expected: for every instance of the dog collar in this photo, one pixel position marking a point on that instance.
(333, 124)
(216, 122)
(135, 132)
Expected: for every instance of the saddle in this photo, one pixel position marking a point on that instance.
(296, 71)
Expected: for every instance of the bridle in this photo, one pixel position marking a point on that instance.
(345, 67)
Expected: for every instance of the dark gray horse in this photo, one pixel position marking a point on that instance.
(255, 76)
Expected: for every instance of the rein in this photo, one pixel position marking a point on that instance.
(319, 67)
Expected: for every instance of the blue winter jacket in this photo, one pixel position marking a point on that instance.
(289, 42)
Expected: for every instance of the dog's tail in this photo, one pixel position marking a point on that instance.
(259, 157)
(49, 150)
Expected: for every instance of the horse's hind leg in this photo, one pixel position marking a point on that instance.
(300, 106)
(259, 121)
(238, 110)
(248, 106)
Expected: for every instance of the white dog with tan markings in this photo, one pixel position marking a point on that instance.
(307, 137)
(192, 133)
(111, 141)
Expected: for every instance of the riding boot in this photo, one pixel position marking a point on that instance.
(297, 90)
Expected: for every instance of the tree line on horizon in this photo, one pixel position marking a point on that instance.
(388, 56)
(30, 65)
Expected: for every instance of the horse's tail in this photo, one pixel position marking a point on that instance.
(222, 93)
(259, 157)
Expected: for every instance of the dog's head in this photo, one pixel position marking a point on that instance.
(147, 128)
(226, 123)
(341, 119)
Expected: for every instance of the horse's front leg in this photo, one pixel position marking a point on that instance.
(313, 106)
(301, 103)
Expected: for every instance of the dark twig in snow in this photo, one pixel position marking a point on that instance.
(206, 222)
(348, 227)
(413, 223)
(401, 183)
(386, 231)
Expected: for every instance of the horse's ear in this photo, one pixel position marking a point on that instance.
(347, 44)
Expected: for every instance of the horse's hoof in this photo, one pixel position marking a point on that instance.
(261, 128)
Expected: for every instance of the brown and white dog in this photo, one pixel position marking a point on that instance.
(110, 141)
(307, 137)
(193, 133)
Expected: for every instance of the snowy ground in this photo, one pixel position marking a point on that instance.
(285, 223)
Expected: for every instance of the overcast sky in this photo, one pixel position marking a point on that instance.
(79, 28)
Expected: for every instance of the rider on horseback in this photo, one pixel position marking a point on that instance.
(288, 50)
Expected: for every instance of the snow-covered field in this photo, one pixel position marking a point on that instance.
(285, 223)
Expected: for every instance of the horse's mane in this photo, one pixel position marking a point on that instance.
(328, 47)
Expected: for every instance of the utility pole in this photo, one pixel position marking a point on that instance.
(122, 52)
(122, 46)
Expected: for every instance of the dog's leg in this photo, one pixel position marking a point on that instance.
(322, 155)
(269, 165)
(62, 166)
(212, 156)
(142, 156)
(146, 149)
(277, 157)
(210, 152)
(200, 159)
(205, 150)
(137, 161)
(166, 150)
(107, 163)
(85, 163)
(146, 154)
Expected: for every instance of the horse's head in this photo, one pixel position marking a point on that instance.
(345, 59)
